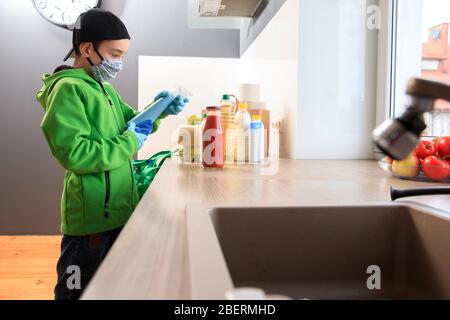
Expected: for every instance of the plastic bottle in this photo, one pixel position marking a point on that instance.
(257, 118)
(242, 122)
(213, 148)
(256, 142)
(153, 111)
(227, 112)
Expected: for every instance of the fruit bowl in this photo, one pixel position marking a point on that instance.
(429, 162)
(420, 176)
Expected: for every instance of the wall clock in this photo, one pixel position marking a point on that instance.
(64, 13)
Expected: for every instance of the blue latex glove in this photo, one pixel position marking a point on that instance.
(175, 107)
(142, 131)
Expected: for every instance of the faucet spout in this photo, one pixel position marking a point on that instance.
(403, 193)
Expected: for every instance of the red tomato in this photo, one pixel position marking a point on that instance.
(443, 148)
(388, 160)
(435, 168)
(425, 149)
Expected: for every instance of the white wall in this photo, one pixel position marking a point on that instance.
(337, 86)
(251, 28)
(206, 78)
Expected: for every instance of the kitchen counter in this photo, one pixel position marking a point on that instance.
(150, 258)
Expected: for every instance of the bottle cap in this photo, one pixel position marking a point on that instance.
(226, 97)
(243, 106)
(256, 117)
(256, 125)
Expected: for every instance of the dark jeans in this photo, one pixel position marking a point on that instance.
(84, 253)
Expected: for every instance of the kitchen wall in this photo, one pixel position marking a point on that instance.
(272, 61)
(251, 29)
(337, 80)
(206, 78)
(31, 180)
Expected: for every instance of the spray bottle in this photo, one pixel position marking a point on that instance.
(154, 111)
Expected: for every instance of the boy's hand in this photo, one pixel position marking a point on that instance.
(177, 105)
(141, 130)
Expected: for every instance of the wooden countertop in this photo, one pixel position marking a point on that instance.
(150, 260)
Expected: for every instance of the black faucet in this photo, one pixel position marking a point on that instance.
(397, 138)
(403, 193)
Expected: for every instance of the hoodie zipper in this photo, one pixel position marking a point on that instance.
(108, 192)
(107, 175)
(111, 105)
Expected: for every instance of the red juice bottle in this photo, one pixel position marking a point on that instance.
(213, 139)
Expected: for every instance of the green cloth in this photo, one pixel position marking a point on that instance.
(84, 125)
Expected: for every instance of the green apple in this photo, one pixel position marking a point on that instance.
(407, 168)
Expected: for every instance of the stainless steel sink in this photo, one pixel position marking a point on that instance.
(322, 252)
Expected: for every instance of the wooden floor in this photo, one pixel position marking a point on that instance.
(28, 267)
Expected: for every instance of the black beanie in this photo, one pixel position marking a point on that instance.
(97, 25)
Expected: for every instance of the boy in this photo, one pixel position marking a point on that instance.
(85, 127)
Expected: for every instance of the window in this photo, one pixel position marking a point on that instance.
(436, 51)
(421, 49)
(430, 65)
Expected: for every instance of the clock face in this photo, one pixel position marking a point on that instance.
(64, 12)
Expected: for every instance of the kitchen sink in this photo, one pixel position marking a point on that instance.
(322, 252)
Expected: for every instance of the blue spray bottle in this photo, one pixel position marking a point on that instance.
(153, 111)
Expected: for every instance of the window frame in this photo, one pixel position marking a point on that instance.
(387, 57)
(393, 72)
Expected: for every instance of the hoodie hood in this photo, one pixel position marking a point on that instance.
(50, 80)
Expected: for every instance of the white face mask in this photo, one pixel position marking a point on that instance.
(107, 70)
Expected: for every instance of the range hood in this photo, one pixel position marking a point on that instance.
(229, 8)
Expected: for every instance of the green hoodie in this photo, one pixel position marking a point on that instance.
(84, 125)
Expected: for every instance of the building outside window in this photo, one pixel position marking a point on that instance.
(436, 59)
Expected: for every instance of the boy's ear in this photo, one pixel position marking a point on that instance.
(85, 49)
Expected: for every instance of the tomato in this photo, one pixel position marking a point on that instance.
(435, 168)
(388, 160)
(443, 148)
(425, 149)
